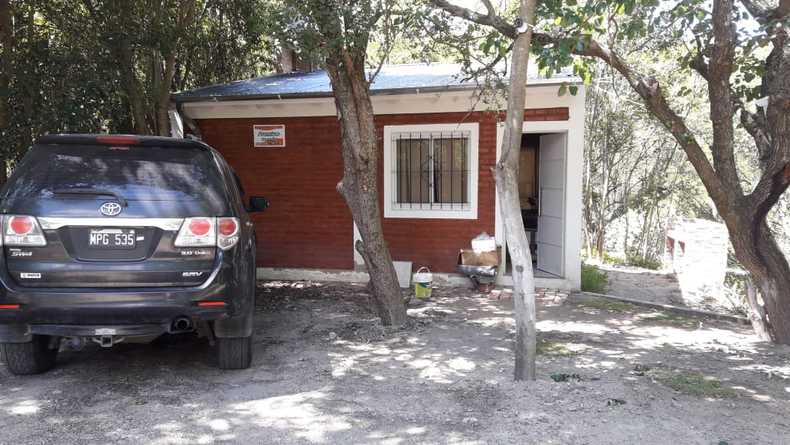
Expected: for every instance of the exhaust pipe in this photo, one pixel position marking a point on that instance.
(75, 343)
(181, 324)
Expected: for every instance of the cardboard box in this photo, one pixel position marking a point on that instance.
(468, 257)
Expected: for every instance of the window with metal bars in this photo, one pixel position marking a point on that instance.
(431, 170)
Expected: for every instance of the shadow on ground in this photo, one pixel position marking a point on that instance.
(325, 371)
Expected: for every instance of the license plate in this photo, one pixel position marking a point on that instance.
(111, 239)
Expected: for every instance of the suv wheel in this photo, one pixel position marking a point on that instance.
(33, 357)
(234, 352)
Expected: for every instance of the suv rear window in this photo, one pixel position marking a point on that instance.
(136, 173)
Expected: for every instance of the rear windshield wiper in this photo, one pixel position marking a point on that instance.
(92, 192)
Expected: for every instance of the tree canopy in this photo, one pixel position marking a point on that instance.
(110, 66)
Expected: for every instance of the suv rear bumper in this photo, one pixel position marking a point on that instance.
(19, 333)
(127, 312)
(90, 314)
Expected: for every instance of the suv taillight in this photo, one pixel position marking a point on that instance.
(228, 234)
(22, 231)
(208, 232)
(197, 232)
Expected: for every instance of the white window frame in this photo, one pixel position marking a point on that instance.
(467, 212)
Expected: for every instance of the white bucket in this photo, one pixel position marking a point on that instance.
(403, 270)
(422, 283)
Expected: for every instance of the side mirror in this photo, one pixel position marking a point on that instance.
(258, 204)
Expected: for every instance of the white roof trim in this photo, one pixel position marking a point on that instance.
(542, 96)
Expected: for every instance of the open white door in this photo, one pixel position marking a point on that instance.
(551, 202)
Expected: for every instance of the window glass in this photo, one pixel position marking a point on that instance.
(431, 169)
(135, 173)
(413, 170)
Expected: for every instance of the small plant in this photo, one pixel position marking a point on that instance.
(555, 349)
(606, 304)
(692, 383)
(609, 258)
(637, 260)
(593, 280)
(565, 377)
(669, 318)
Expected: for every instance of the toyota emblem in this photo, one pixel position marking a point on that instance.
(110, 209)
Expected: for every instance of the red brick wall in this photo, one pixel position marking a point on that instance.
(309, 225)
(546, 114)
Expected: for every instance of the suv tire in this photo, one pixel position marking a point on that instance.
(33, 357)
(234, 352)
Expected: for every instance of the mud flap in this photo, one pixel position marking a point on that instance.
(15, 333)
(240, 326)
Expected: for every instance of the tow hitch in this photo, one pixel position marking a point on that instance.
(107, 341)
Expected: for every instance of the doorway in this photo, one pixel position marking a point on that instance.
(541, 185)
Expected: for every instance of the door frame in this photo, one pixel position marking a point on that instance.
(533, 127)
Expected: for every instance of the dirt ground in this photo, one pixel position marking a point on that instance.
(326, 372)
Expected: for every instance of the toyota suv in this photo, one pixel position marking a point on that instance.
(114, 238)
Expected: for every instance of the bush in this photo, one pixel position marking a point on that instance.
(593, 280)
(614, 260)
(634, 260)
(643, 262)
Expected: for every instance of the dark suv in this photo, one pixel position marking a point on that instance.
(123, 238)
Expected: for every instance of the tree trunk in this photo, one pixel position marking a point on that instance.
(588, 223)
(507, 186)
(756, 312)
(359, 186)
(165, 77)
(757, 250)
(6, 68)
(163, 98)
(604, 193)
(132, 86)
(286, 59)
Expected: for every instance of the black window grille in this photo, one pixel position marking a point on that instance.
(431, 170)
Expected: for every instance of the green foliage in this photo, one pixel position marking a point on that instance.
(638, 260)
(609, 258)
(636, 176)
(561, 377)
(606, 304)
(53, 85)
(554, 349)
(593, 280)
(373, 31)
(692, 383)
(736, 287)
(67, 75)
(670, 318)
(633, 260)
(230, 42)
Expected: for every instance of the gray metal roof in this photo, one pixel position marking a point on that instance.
(392, 79)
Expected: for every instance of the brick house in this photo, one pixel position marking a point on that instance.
(439, 144)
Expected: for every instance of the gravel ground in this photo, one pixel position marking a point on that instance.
(325, 371)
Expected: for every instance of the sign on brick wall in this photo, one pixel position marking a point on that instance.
(267, 136)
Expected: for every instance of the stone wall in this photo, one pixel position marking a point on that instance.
(697, 252)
